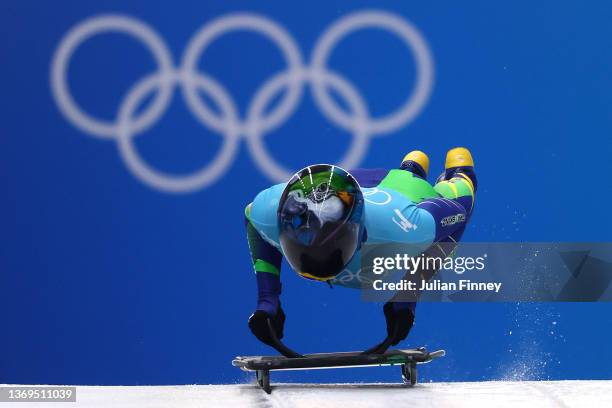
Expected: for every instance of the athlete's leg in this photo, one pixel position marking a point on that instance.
(458, 182)
(417, 163)
(456, 188)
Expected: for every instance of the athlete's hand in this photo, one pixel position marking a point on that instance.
(258, 323)
(400, 318)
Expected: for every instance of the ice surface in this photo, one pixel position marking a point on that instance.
(540, 394)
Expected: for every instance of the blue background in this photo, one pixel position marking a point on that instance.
(104, 280)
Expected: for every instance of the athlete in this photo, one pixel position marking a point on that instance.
(320, 219)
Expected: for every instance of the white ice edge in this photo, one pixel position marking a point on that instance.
(515, 394)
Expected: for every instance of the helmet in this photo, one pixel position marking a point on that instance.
(320, 219)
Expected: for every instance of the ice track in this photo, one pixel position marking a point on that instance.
(540, 394)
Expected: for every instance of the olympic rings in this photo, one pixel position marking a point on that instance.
(227, 122)
(78, 35)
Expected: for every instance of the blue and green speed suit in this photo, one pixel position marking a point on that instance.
(400, 207)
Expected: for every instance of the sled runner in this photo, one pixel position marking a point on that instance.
(406, 359)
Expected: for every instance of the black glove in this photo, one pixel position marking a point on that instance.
(399, 322)
(258, 323)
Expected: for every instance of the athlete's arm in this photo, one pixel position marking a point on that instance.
(266, 262)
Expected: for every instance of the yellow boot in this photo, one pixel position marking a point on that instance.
(458, 157)
(459, 170)
(418, 157)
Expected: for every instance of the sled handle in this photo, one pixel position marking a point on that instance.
(279, 346)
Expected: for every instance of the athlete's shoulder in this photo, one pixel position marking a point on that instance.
(261, 213)
(265, 205)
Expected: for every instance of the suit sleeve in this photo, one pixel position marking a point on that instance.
(267, 263)
(266, 258)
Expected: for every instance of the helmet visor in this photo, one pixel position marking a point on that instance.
(320, 216)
